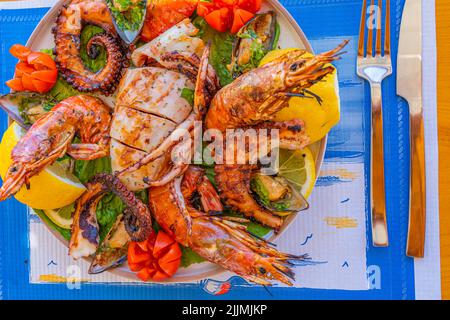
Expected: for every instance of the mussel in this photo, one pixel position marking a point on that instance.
(25, 107)
(112, 252)
(253, 41)
(276, 194)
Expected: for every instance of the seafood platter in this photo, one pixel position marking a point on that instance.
(169, 140)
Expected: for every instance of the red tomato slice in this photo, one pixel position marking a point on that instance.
(135, 267)
(49, 76)
(27, 82)
(173, 254)
(23, 67)
(159, 276)
(15, 84)
(20, 52)
(162, 242)
(145, 274)
(219, 19)
(41, 86)
(226, 3)
(156, 258)
(252, 6)
(143, 245)
(204, 8)
(41, 61)
(136, 255)
(169, 267)
(241, 17)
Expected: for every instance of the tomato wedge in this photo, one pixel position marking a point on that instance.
(228, 14)
(241, 17)
(156, 258)
(252, 6)
(23, 67)
(204, 8)
(162, 242)
(136, 254)
(27, 82)
(15, 84)
(219, 19)
(41, 86)
(173, 254)
(144, 274)
(41, 61)
(49, 76)
(169, 267)
(20, 52)
(159, 276)
(35, 72)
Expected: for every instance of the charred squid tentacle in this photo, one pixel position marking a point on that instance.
(189, 66)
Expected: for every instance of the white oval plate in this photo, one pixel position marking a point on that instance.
(291, 36)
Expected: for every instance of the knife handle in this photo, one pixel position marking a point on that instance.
(377, 193)
(417, 217)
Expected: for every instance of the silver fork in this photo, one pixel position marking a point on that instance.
(375, 67)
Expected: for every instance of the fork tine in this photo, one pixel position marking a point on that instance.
(387, 36)
(378, 40)
(370, 37)
(362, 29)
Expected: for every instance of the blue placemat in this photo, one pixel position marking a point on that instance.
(324, 22)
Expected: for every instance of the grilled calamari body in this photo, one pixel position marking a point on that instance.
(153, 121)
(149, 107)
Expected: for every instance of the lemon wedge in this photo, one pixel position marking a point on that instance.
(52, 188)
(61, 217)
(298, 167)
(318, 118)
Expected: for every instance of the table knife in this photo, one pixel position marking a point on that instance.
(409, 86)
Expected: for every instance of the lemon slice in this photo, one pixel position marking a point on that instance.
(298, 167)
(52, 188)
(61, 217)
(318, 118)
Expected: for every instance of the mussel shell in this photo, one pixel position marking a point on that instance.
(264, 26)
(10, 104)
(130, 37)
(297, 201)
(108, 256)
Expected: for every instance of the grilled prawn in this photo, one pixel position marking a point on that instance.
(219, 239)
(257, 95)
(250, 102)
(50, 138)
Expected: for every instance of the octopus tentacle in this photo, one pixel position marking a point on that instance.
(67, 34)
(140, 230)
(85, 236)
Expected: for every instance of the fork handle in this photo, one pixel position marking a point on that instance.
(377, 193)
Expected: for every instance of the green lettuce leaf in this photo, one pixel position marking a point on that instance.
(99, 62)
(189, 257)
(221, 49)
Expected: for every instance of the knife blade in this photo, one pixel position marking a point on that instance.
(409, 86)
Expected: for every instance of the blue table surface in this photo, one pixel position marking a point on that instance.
(325, 23)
